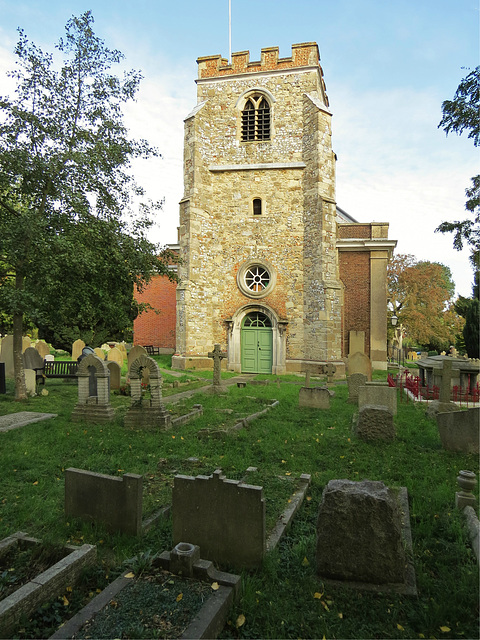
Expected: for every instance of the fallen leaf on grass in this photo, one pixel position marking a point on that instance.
(179, 597)
(317, 595)
(400, 628)
(129, 575)
(305, 562)
(240, 620)
(215, 586)
(65, 601)
(445, 629)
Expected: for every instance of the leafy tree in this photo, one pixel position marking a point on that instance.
(462, 114)
(470, 330)
(420, 293)
(73, 226)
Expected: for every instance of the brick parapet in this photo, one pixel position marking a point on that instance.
(304, 54)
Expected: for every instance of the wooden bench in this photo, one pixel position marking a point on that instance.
(151, 350)
(60, 369)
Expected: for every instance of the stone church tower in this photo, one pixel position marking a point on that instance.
(258, 220)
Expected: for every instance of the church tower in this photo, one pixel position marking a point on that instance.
(258, 230)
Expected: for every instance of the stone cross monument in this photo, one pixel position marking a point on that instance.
(217, 356)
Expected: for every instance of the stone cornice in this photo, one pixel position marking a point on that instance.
(253, 167)
(365, 244)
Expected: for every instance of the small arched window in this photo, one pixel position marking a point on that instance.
(257, 207)
(256, 119)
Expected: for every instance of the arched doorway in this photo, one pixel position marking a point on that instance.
(256, 343)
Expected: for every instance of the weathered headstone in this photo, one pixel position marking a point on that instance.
(460, 430)
(99, 353)
(30, 382)
(374, 423)
(218, 355)
(49, 357)
(43, 348)
(315, 397)
(379, 395)
(226, 518)
(359, 363)
(134, 353)
(330, 369)
(121, 346)
(6, 355)
(359, 535)
(354, 382)
(77, 348)
(115, 355)
(93, 391)
(114, 502)
(26, 343)
(32, 359)
(115, 374)
(146, 412)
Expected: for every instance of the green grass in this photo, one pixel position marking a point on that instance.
(279, 600)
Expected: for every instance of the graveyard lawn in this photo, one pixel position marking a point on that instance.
(284, 598)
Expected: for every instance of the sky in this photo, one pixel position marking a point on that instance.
(388, 66)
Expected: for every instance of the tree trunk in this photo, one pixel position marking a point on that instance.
(20, 388)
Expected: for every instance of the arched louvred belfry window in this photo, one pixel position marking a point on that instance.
(256, 119)
(248, 121)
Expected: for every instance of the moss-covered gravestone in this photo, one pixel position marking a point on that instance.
(93, 391)
(146, 408)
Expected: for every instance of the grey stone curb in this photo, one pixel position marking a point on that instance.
(473, 526)
(210, 620)
(287, 516)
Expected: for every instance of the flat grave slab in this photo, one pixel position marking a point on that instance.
(22, 418)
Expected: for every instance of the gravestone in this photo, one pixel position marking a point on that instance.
(6, 355)
(460, 430)
(30, 381)
(354, 382)
(218, 355)
(379, 395)
(49, 357)
(115, 355)
(359, 363)
(42, 348)
(115, 374)
(226, 518)
(330, 369)
(93, 391)
(374, 423)
(26, 343)
(356, 342)
(99, 353)
(134, 353)
(32, 359)
(146, 412)
(315, 397)
(114, 502)
(77, 348)
(121, 346)
(446, 384)
(359, 535)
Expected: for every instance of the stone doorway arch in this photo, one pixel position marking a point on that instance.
(234, 338)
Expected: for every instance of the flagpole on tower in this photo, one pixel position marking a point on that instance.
(230, 31)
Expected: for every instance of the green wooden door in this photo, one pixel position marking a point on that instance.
(257, 344)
